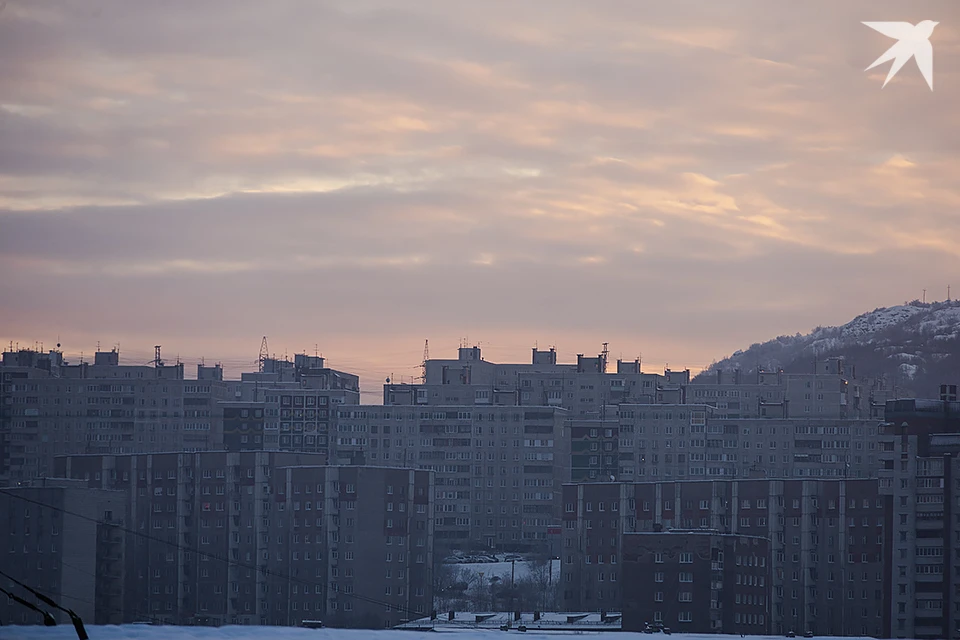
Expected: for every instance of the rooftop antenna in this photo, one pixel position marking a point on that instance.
(98, 345)
(924, 296)
(604, 354)
(263, 352)
(423, 365)
(157, 362)
(316, 350)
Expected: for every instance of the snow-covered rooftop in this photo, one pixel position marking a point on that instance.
(148, 632)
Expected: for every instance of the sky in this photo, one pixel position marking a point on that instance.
(679, 179)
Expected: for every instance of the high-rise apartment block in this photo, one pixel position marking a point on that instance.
(920, 471)
(846, 497)
(299, 402)
(499, 469)
(696, 582)
(49, 407)
(268, 537)
(582, 388)
(64, 540)
(827, 549)
(53, 408)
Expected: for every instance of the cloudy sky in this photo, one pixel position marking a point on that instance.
(679, 179)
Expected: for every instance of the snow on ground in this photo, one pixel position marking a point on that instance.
(503, 569)
(909, 370)
(879, 320)
(147, 632)
(942, 322)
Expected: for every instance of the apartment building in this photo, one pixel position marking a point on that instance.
(582, 388)
(288, 406)
(63, 539)
(829, 540)
(666, 441)
(243, 425)
(499, 469)
(920, 471)
(828, 391)
(269, 537)
(734, 395)
(696, 582)
(50, 407)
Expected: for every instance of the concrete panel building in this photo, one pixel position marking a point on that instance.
(829, 543)
(689, 441)
(290, 406)
(581, 388)
(696, 582)
(499, 469)
(920, 471)
(268, 537)
(49, 407)
(63, 539)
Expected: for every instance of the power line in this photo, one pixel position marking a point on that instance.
(48, 619)
(228, 561)
(64, 596)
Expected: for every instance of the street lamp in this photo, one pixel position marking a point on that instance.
(481, 589)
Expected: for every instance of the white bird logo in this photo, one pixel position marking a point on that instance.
(914, 42)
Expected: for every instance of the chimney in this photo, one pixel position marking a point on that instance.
(719, 376)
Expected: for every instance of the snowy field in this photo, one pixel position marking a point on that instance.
(145, 632)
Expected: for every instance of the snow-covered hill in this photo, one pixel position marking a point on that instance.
(913, 347)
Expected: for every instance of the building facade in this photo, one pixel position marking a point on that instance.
(829, 540)
(63, 539)
(920, 471)
(499, 469)
(582, 388)
(50, 408)
(700, 582)
(267, 537)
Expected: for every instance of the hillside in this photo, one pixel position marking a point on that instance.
(914, 347)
